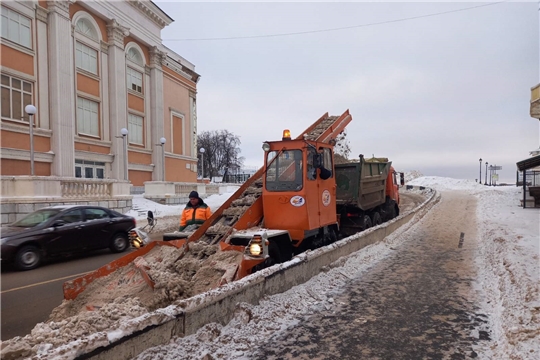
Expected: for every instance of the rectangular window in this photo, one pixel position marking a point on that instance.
(86, 58)
(16, 28)
(87, 117)
(135, 129)
(92, 169)
(134, 80)
(16, 94)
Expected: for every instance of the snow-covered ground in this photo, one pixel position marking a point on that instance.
(508, 273)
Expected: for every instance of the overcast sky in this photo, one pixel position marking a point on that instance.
(433, 94)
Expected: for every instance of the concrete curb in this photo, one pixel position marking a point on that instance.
(218, 305)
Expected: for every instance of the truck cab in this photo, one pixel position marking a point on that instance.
(299, 188)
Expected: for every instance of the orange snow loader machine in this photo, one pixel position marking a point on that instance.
(298, 200)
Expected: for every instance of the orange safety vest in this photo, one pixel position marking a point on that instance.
(192, 216)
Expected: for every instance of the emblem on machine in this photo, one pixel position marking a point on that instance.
(326, 197)
(297, 201)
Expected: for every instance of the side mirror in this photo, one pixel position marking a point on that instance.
(402, 178)
(58, 223)
(150, 218)
(325, 173)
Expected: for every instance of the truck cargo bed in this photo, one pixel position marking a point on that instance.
(362, 184)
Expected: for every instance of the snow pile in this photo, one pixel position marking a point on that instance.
(109, 302)
(411, 175)
(509, 271)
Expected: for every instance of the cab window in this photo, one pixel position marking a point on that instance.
(284, 171)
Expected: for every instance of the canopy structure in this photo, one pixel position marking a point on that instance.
(529, 163)
(534, 191)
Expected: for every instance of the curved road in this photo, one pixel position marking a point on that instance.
(416, 304)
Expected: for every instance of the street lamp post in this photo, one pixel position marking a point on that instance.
(124, 133)
(480, 178)
(485, 183)
(162, 141)
(202, 150)
(31, 110)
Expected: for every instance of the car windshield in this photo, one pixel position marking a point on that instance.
(36, 218)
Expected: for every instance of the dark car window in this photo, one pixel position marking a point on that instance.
(95, 214)
(116, 214)
(36, 218)
(72, 216)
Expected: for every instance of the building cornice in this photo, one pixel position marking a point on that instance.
(20, 154)
(153, 12)
(24, 129)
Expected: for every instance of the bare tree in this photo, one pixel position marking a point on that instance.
(222, 152)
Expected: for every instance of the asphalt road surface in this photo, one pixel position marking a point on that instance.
(28, 297)
(416, 304)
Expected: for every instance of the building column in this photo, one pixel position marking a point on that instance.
(193, 122)
(61, 89)
(117, 94)
(42, 90)
(157, 115)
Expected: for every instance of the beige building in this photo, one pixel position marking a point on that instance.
(94, 69)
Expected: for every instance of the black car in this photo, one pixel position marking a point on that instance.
(61, 230)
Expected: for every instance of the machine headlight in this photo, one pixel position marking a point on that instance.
(266, 146)
(255, 249)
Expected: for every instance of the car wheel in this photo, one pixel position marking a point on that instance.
(28, 258)
(119, 243)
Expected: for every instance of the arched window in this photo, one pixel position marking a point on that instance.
(135, 68)
(87, 37)
(87, 45)
(134, 55)
(135, 61)
(85, 27)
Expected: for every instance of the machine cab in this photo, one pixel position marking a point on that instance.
(299, 191)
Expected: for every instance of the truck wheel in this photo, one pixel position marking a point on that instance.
(376, 219)
(28, 258)
(367, 222)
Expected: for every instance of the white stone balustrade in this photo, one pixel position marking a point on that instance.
(52, 187)
(24, 194)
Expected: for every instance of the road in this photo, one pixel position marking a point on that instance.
(28, 297)
(418, 303)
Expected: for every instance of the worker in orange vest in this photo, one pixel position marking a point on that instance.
(196, 212)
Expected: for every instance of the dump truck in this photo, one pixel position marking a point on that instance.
(367, 193)
(299, 200)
